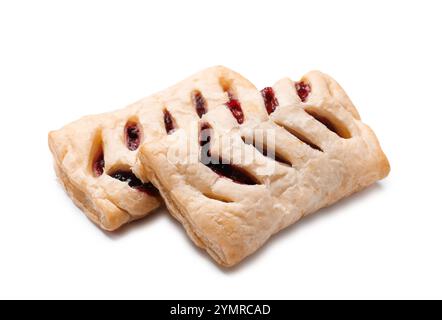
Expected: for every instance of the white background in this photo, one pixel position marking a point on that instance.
(60, 60)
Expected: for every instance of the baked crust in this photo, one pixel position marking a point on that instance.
(108, 202)
(231, 220)
(227, 219)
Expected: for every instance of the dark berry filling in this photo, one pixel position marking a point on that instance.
(134, 182)
(148, 188)
(98, 165)
(224, 170)
(270, 100)
(133, 136)
(200, 103)
(303, 90)
(168, 122)
(235, 108)
(204, 141)
(231, 172)
(205, 134)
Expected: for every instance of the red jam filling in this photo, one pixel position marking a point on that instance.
(303, 90)
(168, 122)
(98, 165)
(133, 136)
(235, 108)
(205, 134)
(200, 103)
(134, 182)
(148, 188)
(231, 172)
(223, 170)
(270, 100)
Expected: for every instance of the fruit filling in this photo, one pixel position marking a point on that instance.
(132, 136)
(168, 122)
(223, 170)
(303, 90)
(98, 165)
(231, 172)
(134, 182)
(205, 134)
(235, 108)
(200, 103)
(270, 100)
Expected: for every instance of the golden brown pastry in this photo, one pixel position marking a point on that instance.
(233, 164)
(94, 157)
(322, 153)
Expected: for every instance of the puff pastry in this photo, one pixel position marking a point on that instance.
(290, 150)
(94, 157)
(323, 152)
